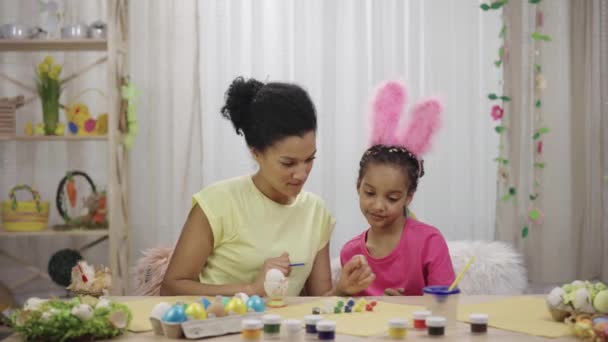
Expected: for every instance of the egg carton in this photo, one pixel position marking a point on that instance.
(196, 329)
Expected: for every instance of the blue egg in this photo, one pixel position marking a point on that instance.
(205, 302)
(256, 304)
(72, 127)
(176, 314)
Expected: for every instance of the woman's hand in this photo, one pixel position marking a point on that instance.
(355, 277)
(393, 292)
(281, 263)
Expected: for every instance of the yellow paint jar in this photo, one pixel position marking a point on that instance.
(397, 328)
(251, 329)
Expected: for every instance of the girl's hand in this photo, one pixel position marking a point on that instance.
(355, 277)
(281, 263)
(393, 292)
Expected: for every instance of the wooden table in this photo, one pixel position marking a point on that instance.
(459, 332)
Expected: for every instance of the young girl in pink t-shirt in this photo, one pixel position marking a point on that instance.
(404, 254)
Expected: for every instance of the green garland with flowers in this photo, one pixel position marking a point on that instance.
(69, 320)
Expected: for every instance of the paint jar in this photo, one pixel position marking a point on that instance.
(272, 327)
(326, 330)
(310, 322)
(419, 318)
(436, 325)
(479, 323)
(293, 327)
(397, 328)
(251, 329)
(442, 302)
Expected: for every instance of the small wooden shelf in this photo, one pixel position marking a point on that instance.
(56, 138)
(51, 232)
(53, 45)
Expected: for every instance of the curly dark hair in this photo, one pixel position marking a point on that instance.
(267, 113)
(399, 156)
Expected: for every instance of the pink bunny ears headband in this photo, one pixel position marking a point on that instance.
(415, 135)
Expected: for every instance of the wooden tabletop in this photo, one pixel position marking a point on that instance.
(458, 332)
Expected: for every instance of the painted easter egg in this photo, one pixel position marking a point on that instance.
(256, 303)
(196, 310)
(176, 314)
(217, 309)
(237, 306)
(205, 302)
(73, 127)
(89, 125)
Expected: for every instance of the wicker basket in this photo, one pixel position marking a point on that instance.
(8, 106)
(24, 216)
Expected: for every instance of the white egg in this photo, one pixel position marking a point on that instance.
(274, 275)
(118, 319)
(103, 303)
(243, 296)
(34, 303)
(83, 311)
(159, 310)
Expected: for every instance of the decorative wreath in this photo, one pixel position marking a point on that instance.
(67, 193)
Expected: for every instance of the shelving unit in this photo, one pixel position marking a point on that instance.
(115, 48)
(56, 138)
(36, 45)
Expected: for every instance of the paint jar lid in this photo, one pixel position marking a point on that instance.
(326, 326)
(312, 319)
(478, 318)
(440, 290)
(435, 321)
(421, 314)
(251, 324)
(271, 319)
(397, 323)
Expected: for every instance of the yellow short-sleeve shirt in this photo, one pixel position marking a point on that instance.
(249, 228)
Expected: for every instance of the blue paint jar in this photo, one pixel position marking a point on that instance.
(326, 330)
(310, 322)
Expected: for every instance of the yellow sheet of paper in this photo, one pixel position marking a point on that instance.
(142, 308)
(357, 323)
(528, 315)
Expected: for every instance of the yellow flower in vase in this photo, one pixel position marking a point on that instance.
(48, 60)
(55, 71)
(43, 68)
(49, 89)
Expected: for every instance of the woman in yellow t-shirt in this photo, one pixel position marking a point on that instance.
(240, 228)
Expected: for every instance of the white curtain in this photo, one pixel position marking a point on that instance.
(167, 158)
(339, 50)
(183, 55)
(572, 243)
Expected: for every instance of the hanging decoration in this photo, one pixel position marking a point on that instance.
(507, 191)
(497, 111)
(535, 214)
(128, 118)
